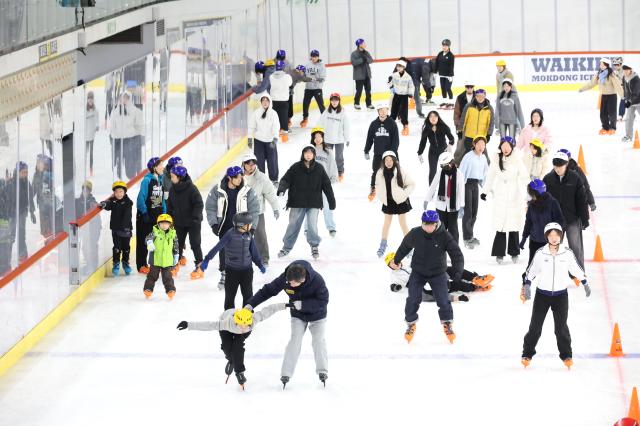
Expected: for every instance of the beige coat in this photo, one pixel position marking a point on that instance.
(612, 85)
(399, 194)
(537, 167)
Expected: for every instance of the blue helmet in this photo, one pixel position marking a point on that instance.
(21, 165)
(359, 42)
(280, 64)
(566, 151)
(281, 54)
(314, 52)
(234, 171)
(508, 139)
(538, 186)
(179, 171)
(301, 68)
(174, 161)
(152, 163)
(259, 66)
(430, 216)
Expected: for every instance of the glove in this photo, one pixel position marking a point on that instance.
(250, 142)
(389, 79)
(263, 269)
(627, 104)
(463, 298)
(103, 204)
(274, 141)
(297, 305)
(592, 207)
(585, 225)
(183, 325)
(521, 245)
(483, 197)
(150, 246)
(421, 158)
(146, 218)
(276, 214)
(525, 293)
(33, 217)
(587, 289)
(396, 287)
(216, 228)
(347, 143)
(175, 259)
(366, 156)
(460, 213)
(459, 135)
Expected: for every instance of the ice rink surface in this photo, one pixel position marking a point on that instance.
(118, 359)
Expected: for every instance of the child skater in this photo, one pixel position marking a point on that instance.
(120, 206)
(235, 325)
(162, 245)
(550, 269)
(239, 250)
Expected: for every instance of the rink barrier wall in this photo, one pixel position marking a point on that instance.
(53, 318)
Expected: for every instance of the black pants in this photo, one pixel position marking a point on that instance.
(400, 106)
(608, 111)
(154, 273)
(233, 348)
(234, 279)
(502, 243)
(89, 151)
(142, 230)
(21, 236)
(129, 152)
(560, 307)
(366, 83)
(433, 162)
(121, 248)
(445, 87)
(221, 254)
(428, 90)
(470, 208)
(375, 166)
(282, 109)
(306, 101)
(440, 290)
(267, 152)
(450, 222)
(194, 240)
(290, 106)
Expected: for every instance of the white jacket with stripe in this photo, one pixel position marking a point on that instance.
(551, 273)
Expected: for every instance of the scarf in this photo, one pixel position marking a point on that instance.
(450, 177)
(603, 76)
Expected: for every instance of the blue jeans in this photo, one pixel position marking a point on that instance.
(296, 218)
(328, 216)
(439, 285)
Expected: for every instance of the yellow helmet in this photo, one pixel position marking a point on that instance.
(317, 129)
(165, 218)
(269, 63)
(118, 184)
(538, 143)
(501, 63)
(389, 257)
(243, 317)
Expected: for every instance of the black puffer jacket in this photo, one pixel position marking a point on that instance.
(573, 165)
(185, 203)
(120, 213)
(306, 185)
(430, 252)
(571, 195)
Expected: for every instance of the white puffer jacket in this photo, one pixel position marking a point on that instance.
(267, 128)
(402, 84)
(280, 83)
(508, 188)
(551, 273)
(399, 194)
(537, 167)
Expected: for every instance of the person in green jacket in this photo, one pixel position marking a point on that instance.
(162, 245)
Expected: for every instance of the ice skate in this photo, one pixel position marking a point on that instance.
(340, 177)
(197, 273)
(411, 329)
(126, 268)
(170, 294)
(525, 361)
(482, 280)
(611, 132)
(447, 326)
(241, 379)
(568, 363)
(284, 380)
(221, 282)
(323, 378)
(183, 261)
(228, 370)
(283, 253)
(475, 241)
(514, 259)
(147, 294)
(284, 136)
(144, 270)
(382, 248)
(372, 194)
(370, 107)
(469, 244)
(626, 139)
(303, 123)
(500, 259)
(314, 252)
(332, 233)
(405, 130)
(116, 269)
(602, 132)
(175, 270)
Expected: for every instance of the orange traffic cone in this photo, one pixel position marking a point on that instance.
(616, 343)
(636, 141)
(634, 408)
(597, 254)
(581, 162)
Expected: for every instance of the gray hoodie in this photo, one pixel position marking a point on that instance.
(509, 111)
(227, 323)
(317, 74)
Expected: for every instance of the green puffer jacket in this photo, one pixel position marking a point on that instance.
(166, 243)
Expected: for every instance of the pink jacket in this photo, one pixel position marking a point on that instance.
(527, 135)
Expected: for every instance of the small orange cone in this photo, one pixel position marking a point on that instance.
(634, 408)
(616, 343)
(597, 254)
(581, 162)
(636, 141)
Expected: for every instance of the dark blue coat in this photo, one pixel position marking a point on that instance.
(537, 219)
(239, 251)
(313, 293)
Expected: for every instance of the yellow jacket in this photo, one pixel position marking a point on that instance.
(477, 119)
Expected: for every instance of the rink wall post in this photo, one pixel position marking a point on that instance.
(74, 254)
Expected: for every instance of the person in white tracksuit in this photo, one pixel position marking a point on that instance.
(263, 130)
(335, 122)
(401, 83)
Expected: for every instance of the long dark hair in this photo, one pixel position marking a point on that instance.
(501, 155)
(538, 201)
(313, 141)
(504, 92)
(441, 126)
(264, 113)
(396, 166)
(538, 150)
(608, 69)
(338, 109)
(539, 111)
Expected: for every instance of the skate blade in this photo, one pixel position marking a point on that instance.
(227, 381)
(525, 362)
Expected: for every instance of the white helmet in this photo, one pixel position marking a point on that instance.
(381, 105)
(389, 153)
(445, 158)
(551, 226)
(249, 157)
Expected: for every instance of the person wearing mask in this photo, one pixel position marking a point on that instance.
(383, 137)
(263, 130)
(445, 62)
(610, 88)
(437, 132)
(360, 60)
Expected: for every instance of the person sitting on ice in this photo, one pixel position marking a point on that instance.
(470, 282)
(235, 326)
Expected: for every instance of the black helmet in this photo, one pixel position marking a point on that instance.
(446, 42)
(242, 219)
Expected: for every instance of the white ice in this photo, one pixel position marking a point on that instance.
(118, 359)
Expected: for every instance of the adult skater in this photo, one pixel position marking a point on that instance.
(535, 130)
(393, 187)
(166, 180)
(477, 120)
(447, 192)
(445, 62)
(506, 181)
(280, 83)
(306, 181)
(566, 186)
(461, 101)
(502, 74)
(324, 157)
(573, 165)
(401, 84)
(360, 60)
(610, 88)
(430, 243)
(263, 71)
(316, 74)
(383, 136)
(631, 83)
(335, 122)
(550, 270)
(436, 131)
(474, 168)
(263, 131)
(509, 119)
(309, 296)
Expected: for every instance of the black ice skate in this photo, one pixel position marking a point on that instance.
(284, 380)
(228, 369)
(323, 378)
(241, 379)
